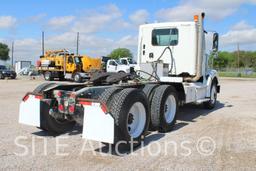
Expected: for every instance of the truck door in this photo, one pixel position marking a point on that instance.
(70, 65)
(111, 66)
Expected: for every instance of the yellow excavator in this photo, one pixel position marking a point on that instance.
(64, 65)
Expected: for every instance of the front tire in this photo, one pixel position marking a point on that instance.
(48, 76)
(77, 78)
(213, 98)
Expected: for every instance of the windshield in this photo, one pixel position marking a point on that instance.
(78, 60)
(131, 61)
(2, 67)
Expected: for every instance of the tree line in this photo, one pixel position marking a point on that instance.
(235, 59)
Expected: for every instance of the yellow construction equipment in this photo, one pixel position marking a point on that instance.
(64, 65)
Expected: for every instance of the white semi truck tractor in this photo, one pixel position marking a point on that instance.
(114, 108)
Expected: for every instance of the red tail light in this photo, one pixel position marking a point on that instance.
(61, 107)
(71, 109)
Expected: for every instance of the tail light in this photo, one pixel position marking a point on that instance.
(61, 107)
(71, 109)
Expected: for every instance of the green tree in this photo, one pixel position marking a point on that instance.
(120, 52)
(4, 52)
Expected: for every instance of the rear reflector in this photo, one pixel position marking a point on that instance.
(86, 103)
(102, 106)
(25, 98)
(38, 97)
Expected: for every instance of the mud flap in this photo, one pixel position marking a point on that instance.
(29, 113)
(97, 125)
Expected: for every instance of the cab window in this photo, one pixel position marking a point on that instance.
(70, 60)
(165, 37)
(124, 62)
(112, 63)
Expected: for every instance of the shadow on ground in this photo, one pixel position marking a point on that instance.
(187, 113)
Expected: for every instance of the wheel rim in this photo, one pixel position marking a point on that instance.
(76, 77)
(170, 108)
(213, 94)
(47, 76)
(136, 119)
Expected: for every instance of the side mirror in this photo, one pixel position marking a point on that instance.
(215, 43)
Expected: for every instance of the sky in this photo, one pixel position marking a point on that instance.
(105, 25)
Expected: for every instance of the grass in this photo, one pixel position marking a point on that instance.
(235, 74)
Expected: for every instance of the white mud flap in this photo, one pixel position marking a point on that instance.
(98, 126)
(29, 113)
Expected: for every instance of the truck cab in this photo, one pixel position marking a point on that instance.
(123, 65)
(127, 61)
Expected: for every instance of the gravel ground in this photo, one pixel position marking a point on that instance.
(220, 139)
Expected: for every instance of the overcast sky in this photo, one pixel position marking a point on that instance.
(105, 25)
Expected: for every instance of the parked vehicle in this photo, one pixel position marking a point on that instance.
(118, 109)
(123, 65)
(7, 73)
(63, 65)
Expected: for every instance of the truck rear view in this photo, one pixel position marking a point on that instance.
(120, 109)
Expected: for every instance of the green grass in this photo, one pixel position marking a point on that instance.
(235, 74)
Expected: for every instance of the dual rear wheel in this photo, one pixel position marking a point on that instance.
(134, 111)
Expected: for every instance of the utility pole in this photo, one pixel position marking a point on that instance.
(12, 52)
(77, 43)
(238, 58)
(42, 43)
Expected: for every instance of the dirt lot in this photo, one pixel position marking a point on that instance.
(221, 139)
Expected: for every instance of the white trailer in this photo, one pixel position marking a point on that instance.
(120, 109)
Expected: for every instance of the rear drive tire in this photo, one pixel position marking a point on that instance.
(39, 89)
(131, 113)
(52, 125)
(107, 95)
(213, 98)
(164, 108)
(47, 122)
